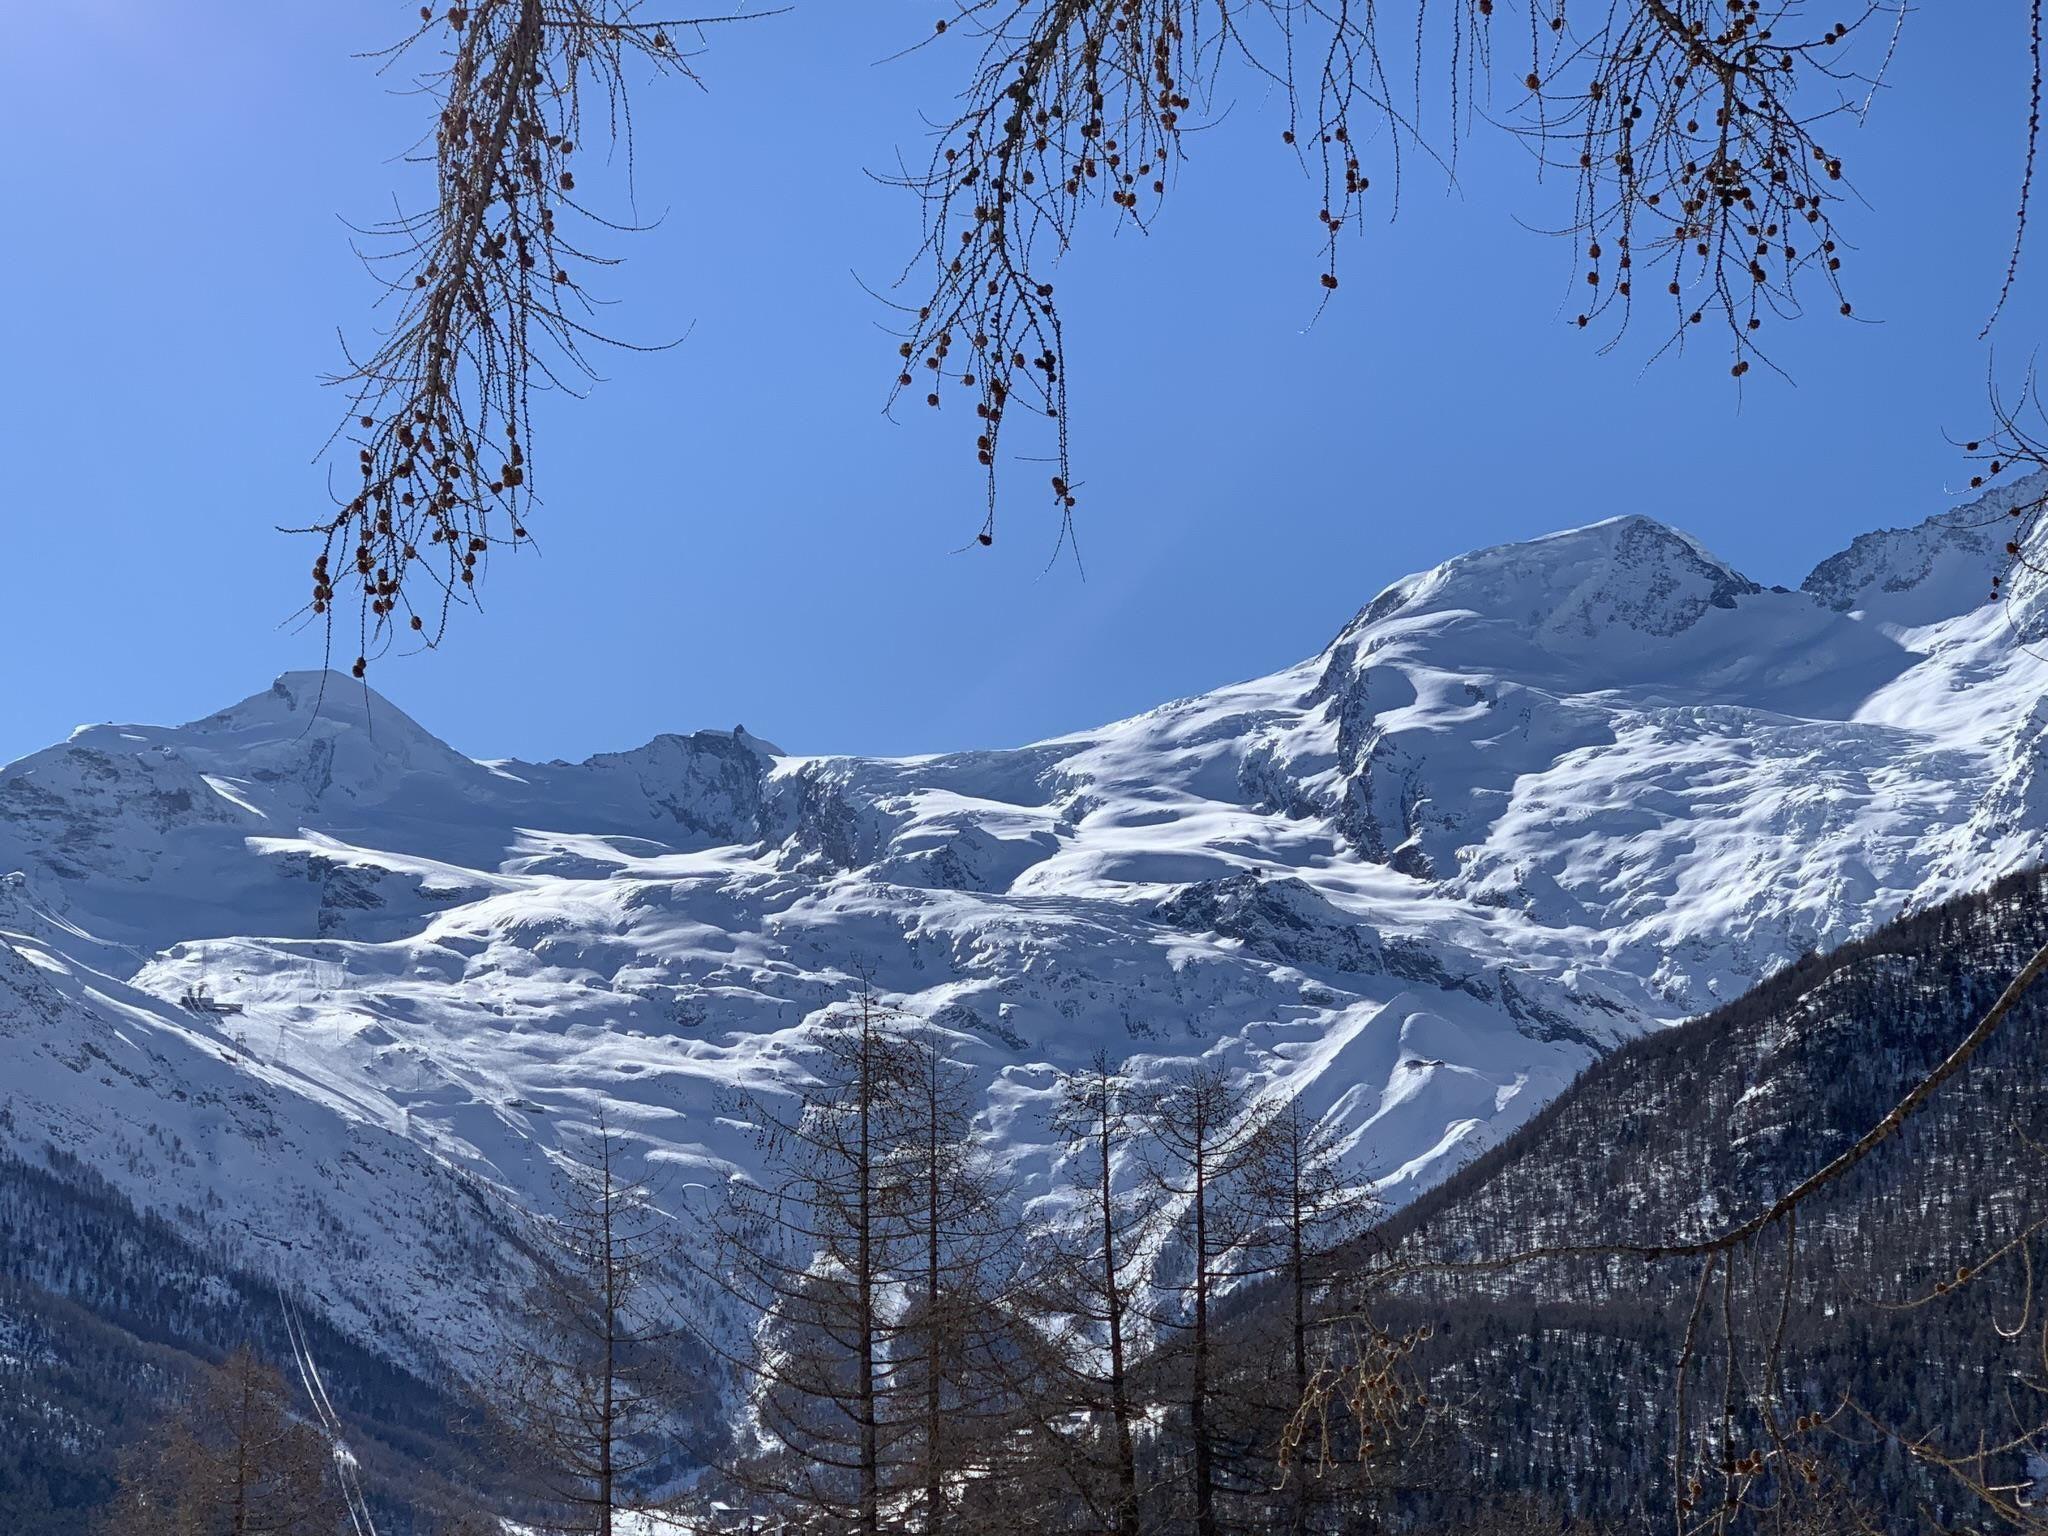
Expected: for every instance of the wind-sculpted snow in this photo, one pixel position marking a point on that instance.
(305, 978)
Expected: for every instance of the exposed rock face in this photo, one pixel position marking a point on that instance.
(1929, 572)
(1281, 920)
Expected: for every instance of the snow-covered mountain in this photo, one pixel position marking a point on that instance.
(311, 982)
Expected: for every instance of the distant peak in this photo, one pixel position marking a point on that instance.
(1939, 568)
(312, 690)
(361, 734)
(1575, 587)
(759, 744)
(1631, 543)
(1636, 526)
(310, 698)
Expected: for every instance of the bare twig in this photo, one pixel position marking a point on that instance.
(487, 299)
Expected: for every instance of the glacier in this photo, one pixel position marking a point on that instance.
(334, 996)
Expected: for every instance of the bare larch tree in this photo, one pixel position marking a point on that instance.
(1201, 1136)
(810, 1252)
(1087, 1289)
(952, 1339)
(1308, 1213)
(234, 1459)
(594, 1374)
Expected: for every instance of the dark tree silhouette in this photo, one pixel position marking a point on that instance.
(952, 1340)
(1202, 1138)
(1308, 1214)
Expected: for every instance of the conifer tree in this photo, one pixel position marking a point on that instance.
(1307, 1214)
(951, 1342)
(869, 1260)
(808, 1253)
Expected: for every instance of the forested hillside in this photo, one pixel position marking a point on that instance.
(1559, 1376)
(106, 1318)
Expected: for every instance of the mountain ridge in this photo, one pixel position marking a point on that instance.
(341, 972)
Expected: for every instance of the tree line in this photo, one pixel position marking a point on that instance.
(903, 1340)
(922, 1348)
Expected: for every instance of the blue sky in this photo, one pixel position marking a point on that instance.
(733, 531)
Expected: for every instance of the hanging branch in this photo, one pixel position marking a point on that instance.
(1692, 128)
(1698, 159)
(487, 303)
(2019, 224)
(2014, 441)
(1075, 104)
(1690, 125)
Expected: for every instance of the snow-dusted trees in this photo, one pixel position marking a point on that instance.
(925, 1351)
(868, 1257)
(595, 1375)
(233, 1460)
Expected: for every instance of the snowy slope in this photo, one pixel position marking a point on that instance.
(1525, 805)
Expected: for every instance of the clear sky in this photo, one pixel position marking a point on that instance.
(733, 531)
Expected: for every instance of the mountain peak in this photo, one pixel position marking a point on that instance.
(328, 733)
(1545, 796)
(1940, 568)
(315, 706)
(307, 696)
(1571, 591)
